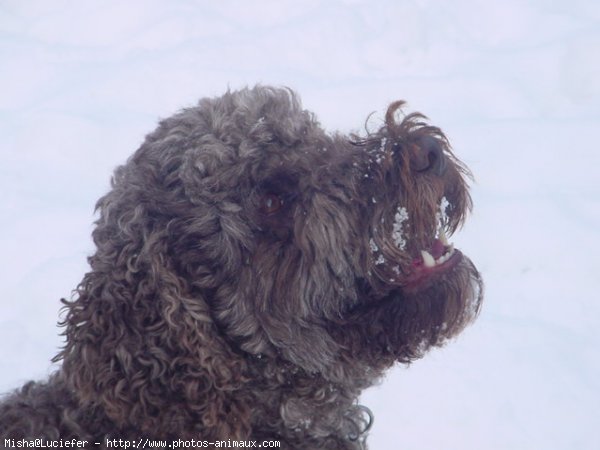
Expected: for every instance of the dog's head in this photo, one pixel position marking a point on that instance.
(241, 230)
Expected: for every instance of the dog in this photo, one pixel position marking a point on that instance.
(252, 275)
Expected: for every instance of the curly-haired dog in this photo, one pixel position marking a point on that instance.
(253, 275)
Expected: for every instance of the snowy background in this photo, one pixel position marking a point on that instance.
(515, 85)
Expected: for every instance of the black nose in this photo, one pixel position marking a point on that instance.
(427, 155)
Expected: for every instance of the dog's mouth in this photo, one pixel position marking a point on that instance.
(438, 259)
(427, 259)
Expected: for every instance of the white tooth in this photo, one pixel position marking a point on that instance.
(442, 259)
(443, 236)
(428, 260)
(450, 250)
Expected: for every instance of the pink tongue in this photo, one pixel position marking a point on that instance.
(437, 249)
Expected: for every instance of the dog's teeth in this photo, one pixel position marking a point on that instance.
(428, 260)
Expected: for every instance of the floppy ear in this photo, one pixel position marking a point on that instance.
(138, 344)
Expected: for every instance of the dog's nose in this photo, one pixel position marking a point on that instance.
(427, 155)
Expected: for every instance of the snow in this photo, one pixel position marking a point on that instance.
(373, 246)
(398, 237)
(442, 215)
(515, 85)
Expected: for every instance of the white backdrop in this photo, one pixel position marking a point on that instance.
(515, 85)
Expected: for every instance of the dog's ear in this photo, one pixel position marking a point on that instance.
(139, 345)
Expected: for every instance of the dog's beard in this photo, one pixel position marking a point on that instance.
(405, 323)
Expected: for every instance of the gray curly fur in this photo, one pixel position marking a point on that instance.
(247, 284)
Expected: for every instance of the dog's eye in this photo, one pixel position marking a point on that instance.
(271, 203)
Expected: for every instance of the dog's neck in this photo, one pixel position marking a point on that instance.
(301, 406)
